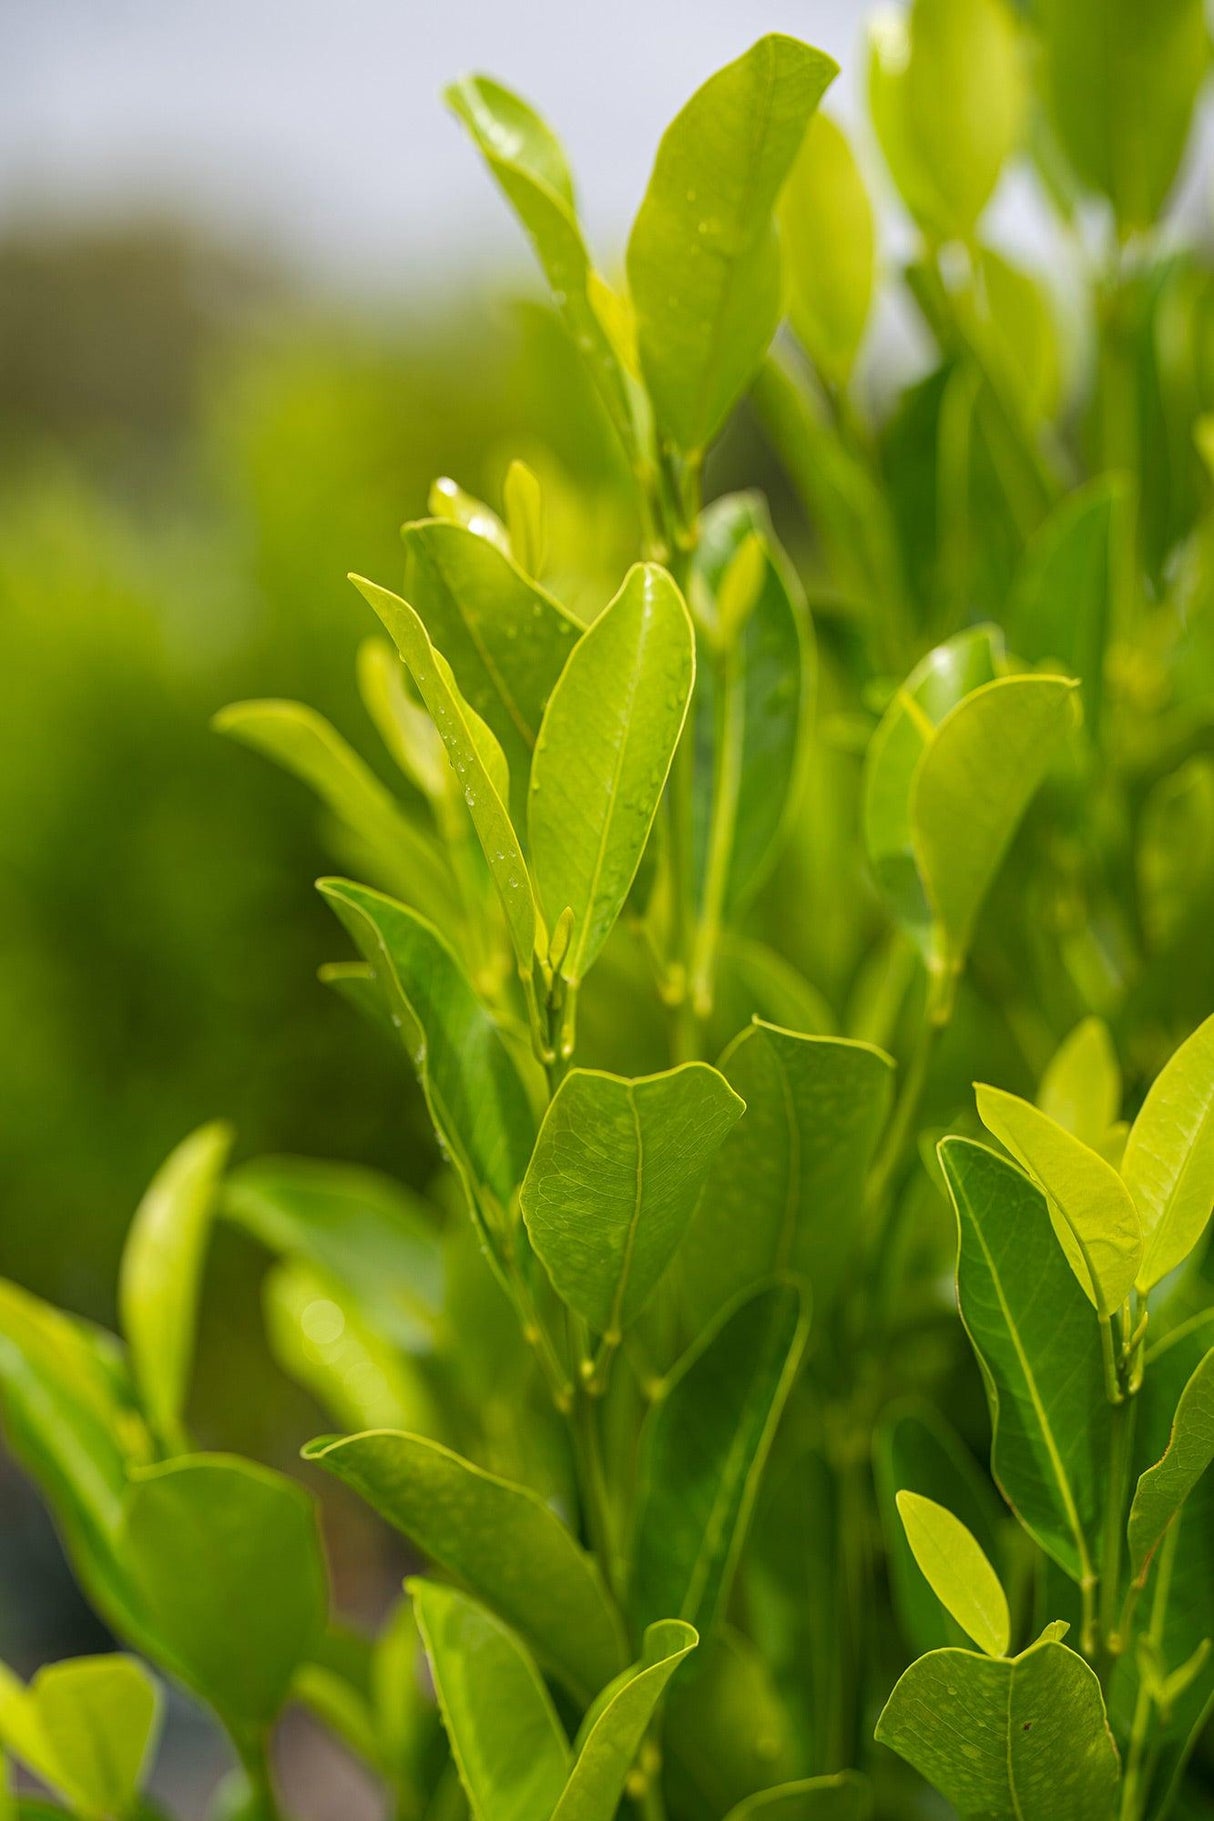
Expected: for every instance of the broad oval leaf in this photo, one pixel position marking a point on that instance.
(785, 1192)
(476, 1096)
(1081, 1088)
(354, 1226)
(616, 1725)
(1031, 1326)
(603, 755)
(703, 261)
(846, 1796)
(502, 1541)
(406, 859)
(161, 1267)
(507, 1742)
(957, 1570)
(614, 1177)
(1168, 1165)
(210, 1541)
(87, 1727)
(702, 1451)
(478, 761)
(1093, 1212)
(1019, 1740)
(828, 234)
(1163, 1488)
(506, 639)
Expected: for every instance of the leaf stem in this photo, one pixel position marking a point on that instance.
(1121, 1450)
(592, 1485)
(253, 1750)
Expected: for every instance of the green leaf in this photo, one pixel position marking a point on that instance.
(703, 259)
(304, 743)
(1163, 1488)
(161, 1271)
(1015, 335)
(450, 503)
(320, 1335)
(725, 1725)
(529, 165)
(1168, 1164)
(947, 94)
(843, 1797)
(474, 1091)
(702, 1452)
(502, 1541)
(828, 234)
(1081, 1088)
(477, 758)
(616, 1725)
(1093, 1212)
(1121, 82)
(751, 712)
(401, 722)
(613, 1180)
(212, 1542)
(505, 638)
(785, 1192)
(86, 1727)
(510, 1747)
(355, 1227)
(1019, 1740)
(1031, 1326)
(957, 1570)
(603, 755)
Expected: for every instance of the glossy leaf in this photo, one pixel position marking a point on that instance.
(843, 1797)
(946, 93)
(477, 759)
(703, 261)
(320, 1335)
(1093, 1212)
(703, 1449)
(210, 1540)
(505, 1736)
(604, 751)
(957, 1570)
(161, 1270)
(86, 1727)
(1121, 83)
(1019, 1740)
(472, 1086)
(501, 1541)
(304, 743)
(505, 638)
(1163, 1488)
(1031, 1326)
(613, 1180)
(354, 1226)
(828, 235)
(785, 1193)
(1081, 1088)
(1168, 1164)
(617, 1723)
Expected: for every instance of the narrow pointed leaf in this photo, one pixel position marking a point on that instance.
(618, 1722)
(211, 1541)
(1025, 1740)
(319, 1333)
(506, 1739)
(1163, 1488)
(846, 1796)
(1081, 1088)
(1094, 1214)
(501, 1541)
(476, 758)
(1032, 1328)
(703, 1450)
(613, 1180)
(475, 1094)
(958, 1571)
(604, 751)
(703, 261)
(506, 639)
(161, 1269)
(785, 1192)
(1168, 1164)
(828, 236)
(304, 743)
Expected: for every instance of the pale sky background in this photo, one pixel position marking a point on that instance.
(316, 126)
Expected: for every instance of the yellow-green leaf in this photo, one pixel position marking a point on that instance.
(1168, 1164)
(957, 1570)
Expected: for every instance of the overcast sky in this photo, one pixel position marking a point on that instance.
(317, 125)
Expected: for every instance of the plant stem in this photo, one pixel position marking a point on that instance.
(592, 1484)
(726, 786)
(891, 1155)
(1121, 1448)
(254, 1753)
